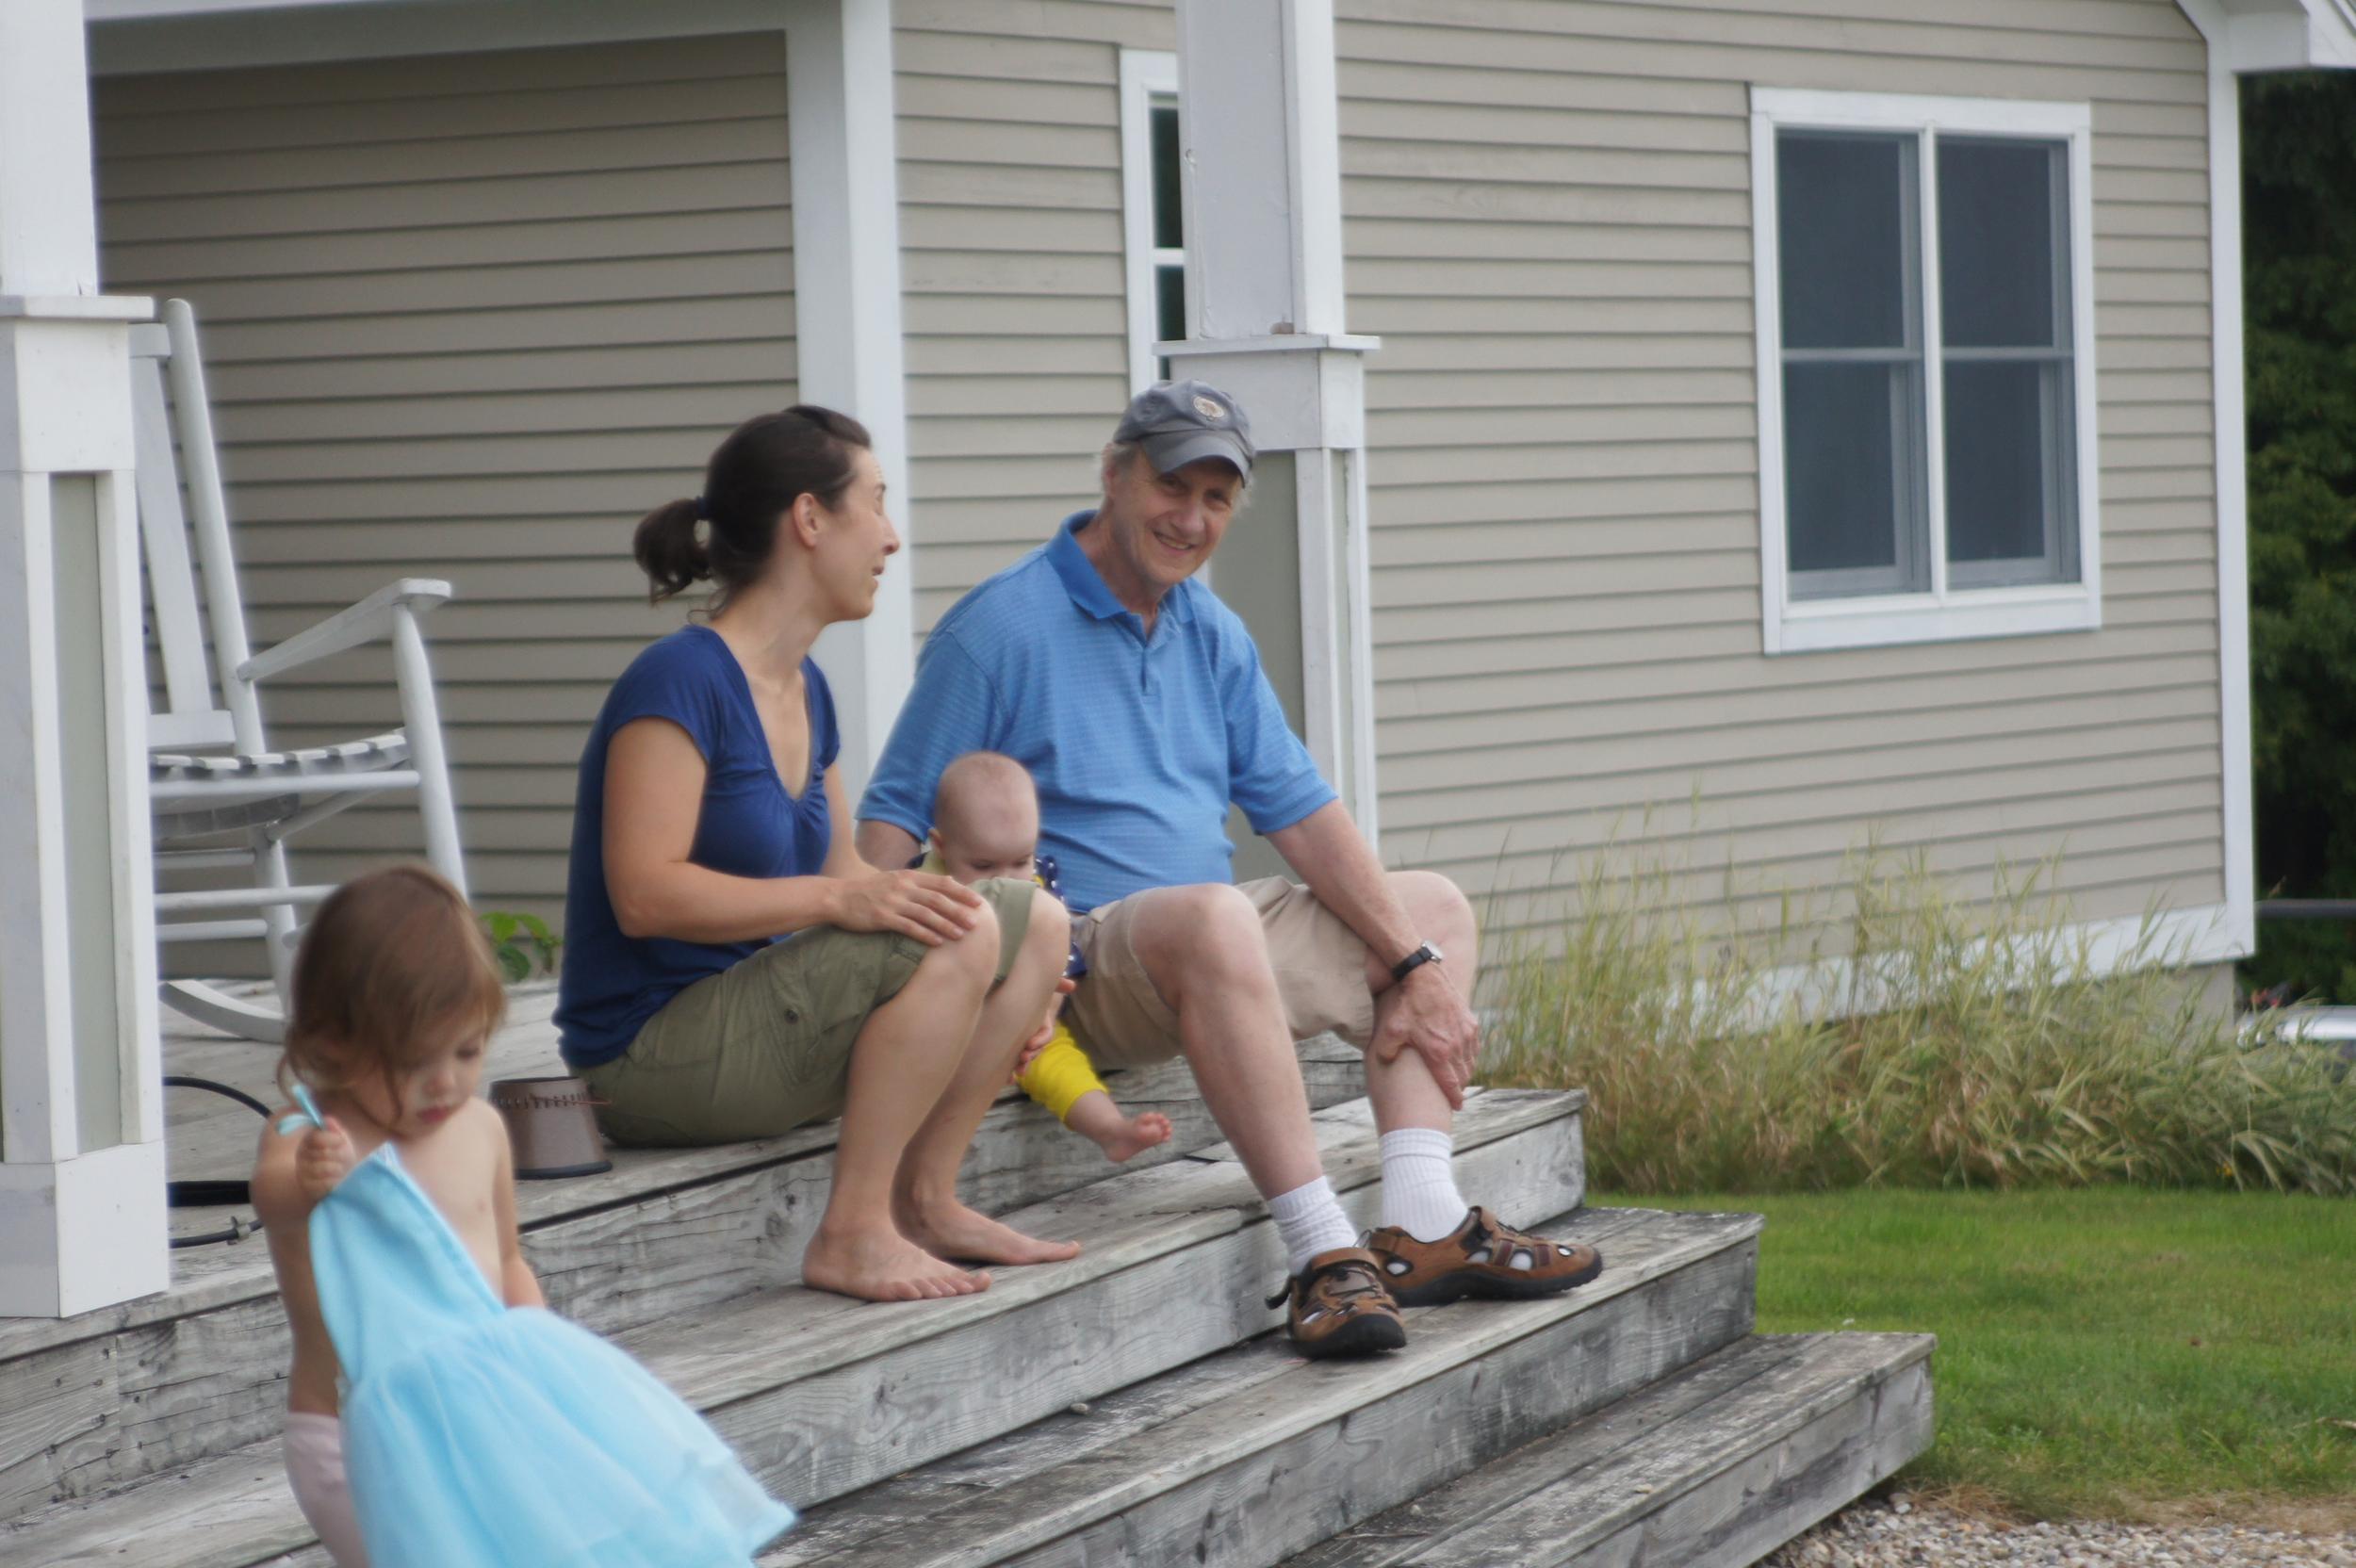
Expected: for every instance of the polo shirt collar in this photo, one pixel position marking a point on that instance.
(1087, 586)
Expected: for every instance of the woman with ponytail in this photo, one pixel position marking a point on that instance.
(732, 968)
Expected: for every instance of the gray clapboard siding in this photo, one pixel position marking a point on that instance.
(483, 316)
(1602, 543)
(1547, 218)
(1012, 268)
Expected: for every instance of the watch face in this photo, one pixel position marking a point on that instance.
(1437, 955)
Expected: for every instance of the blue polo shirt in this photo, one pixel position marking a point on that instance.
(1137, 742)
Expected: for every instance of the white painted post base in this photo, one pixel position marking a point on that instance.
(81, 1078)
(83, 1233)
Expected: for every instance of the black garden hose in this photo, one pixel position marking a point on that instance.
(210, 1194)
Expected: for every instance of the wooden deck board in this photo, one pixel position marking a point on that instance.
(1476, 1379)
(841, 1531)
(789, 1398)
(1717, 1464)
(91, 1403)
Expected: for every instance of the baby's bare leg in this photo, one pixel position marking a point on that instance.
(1094, 1117)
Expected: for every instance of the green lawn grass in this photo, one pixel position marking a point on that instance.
(2110, 1351)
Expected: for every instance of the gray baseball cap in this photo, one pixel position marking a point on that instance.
(1177, 422)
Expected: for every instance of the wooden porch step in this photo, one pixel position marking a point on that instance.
(1250, 1455)
(823, 1395)
(1712, 1467)
(91, 1404)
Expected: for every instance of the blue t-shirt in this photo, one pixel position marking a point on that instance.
(1138, 743)
(747, 825)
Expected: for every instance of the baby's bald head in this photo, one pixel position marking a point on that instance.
(986, 817)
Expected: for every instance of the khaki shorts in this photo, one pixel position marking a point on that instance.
(765, 1046)
(1320, 970)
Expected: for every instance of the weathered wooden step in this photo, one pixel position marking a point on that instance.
(1253, 1454)
(1712, 1467)
(91, 1404)
(823, 1394)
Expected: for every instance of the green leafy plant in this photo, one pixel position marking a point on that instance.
(521, 943)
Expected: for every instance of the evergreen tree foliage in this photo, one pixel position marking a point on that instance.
(2298, 176)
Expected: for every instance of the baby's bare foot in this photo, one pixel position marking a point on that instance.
(1135, 1136)
(953, 1231)
(878, 1264)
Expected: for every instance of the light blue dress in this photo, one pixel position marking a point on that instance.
(477, 1435)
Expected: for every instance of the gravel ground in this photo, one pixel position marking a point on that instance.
(1886, 1533)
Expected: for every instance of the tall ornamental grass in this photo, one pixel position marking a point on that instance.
(1969, 1045)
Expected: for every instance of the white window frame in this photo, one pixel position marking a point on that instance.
(1146, 74)
(1946, 612)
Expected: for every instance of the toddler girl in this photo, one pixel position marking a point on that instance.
(481, 1429)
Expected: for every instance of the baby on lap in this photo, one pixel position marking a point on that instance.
(985, 824)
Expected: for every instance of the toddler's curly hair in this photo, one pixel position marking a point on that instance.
(393, 965)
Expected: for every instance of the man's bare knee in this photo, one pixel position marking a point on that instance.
(1208, 934)
(1437, 906)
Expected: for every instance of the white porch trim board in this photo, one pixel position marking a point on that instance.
(81, 1120)
(130, 37)
(846, 290)
(2230, 421)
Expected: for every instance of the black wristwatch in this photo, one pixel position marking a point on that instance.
(1427, 953)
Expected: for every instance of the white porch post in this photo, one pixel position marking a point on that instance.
(846, 307)
(81, 1122)
(1261, 172)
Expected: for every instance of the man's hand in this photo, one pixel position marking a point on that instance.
(1425, 1013)
(919, 904)
(1046, 1030)
(324, 1158)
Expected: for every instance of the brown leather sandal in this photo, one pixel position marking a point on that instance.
(1339, 1306)
(1484, 1257)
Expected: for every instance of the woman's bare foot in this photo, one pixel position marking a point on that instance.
(951, 1229)
(875, 1263)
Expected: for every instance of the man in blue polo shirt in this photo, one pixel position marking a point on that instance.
(1137, 700)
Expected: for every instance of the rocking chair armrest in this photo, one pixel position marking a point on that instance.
(364, 622)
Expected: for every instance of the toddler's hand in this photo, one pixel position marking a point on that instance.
(324, 1158)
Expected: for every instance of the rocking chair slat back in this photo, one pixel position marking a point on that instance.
(171, 577)
(192, 421)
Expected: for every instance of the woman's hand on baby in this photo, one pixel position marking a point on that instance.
(324, 1157)
(921, 903)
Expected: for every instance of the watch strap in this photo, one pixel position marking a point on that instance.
(1423, 955)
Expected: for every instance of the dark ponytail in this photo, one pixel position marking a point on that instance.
(668, 551)
(767, 464)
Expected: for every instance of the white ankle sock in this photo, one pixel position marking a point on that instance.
(1310, 1220)
(1419, 1193)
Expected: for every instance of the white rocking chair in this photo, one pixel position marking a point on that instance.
(222, 798)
